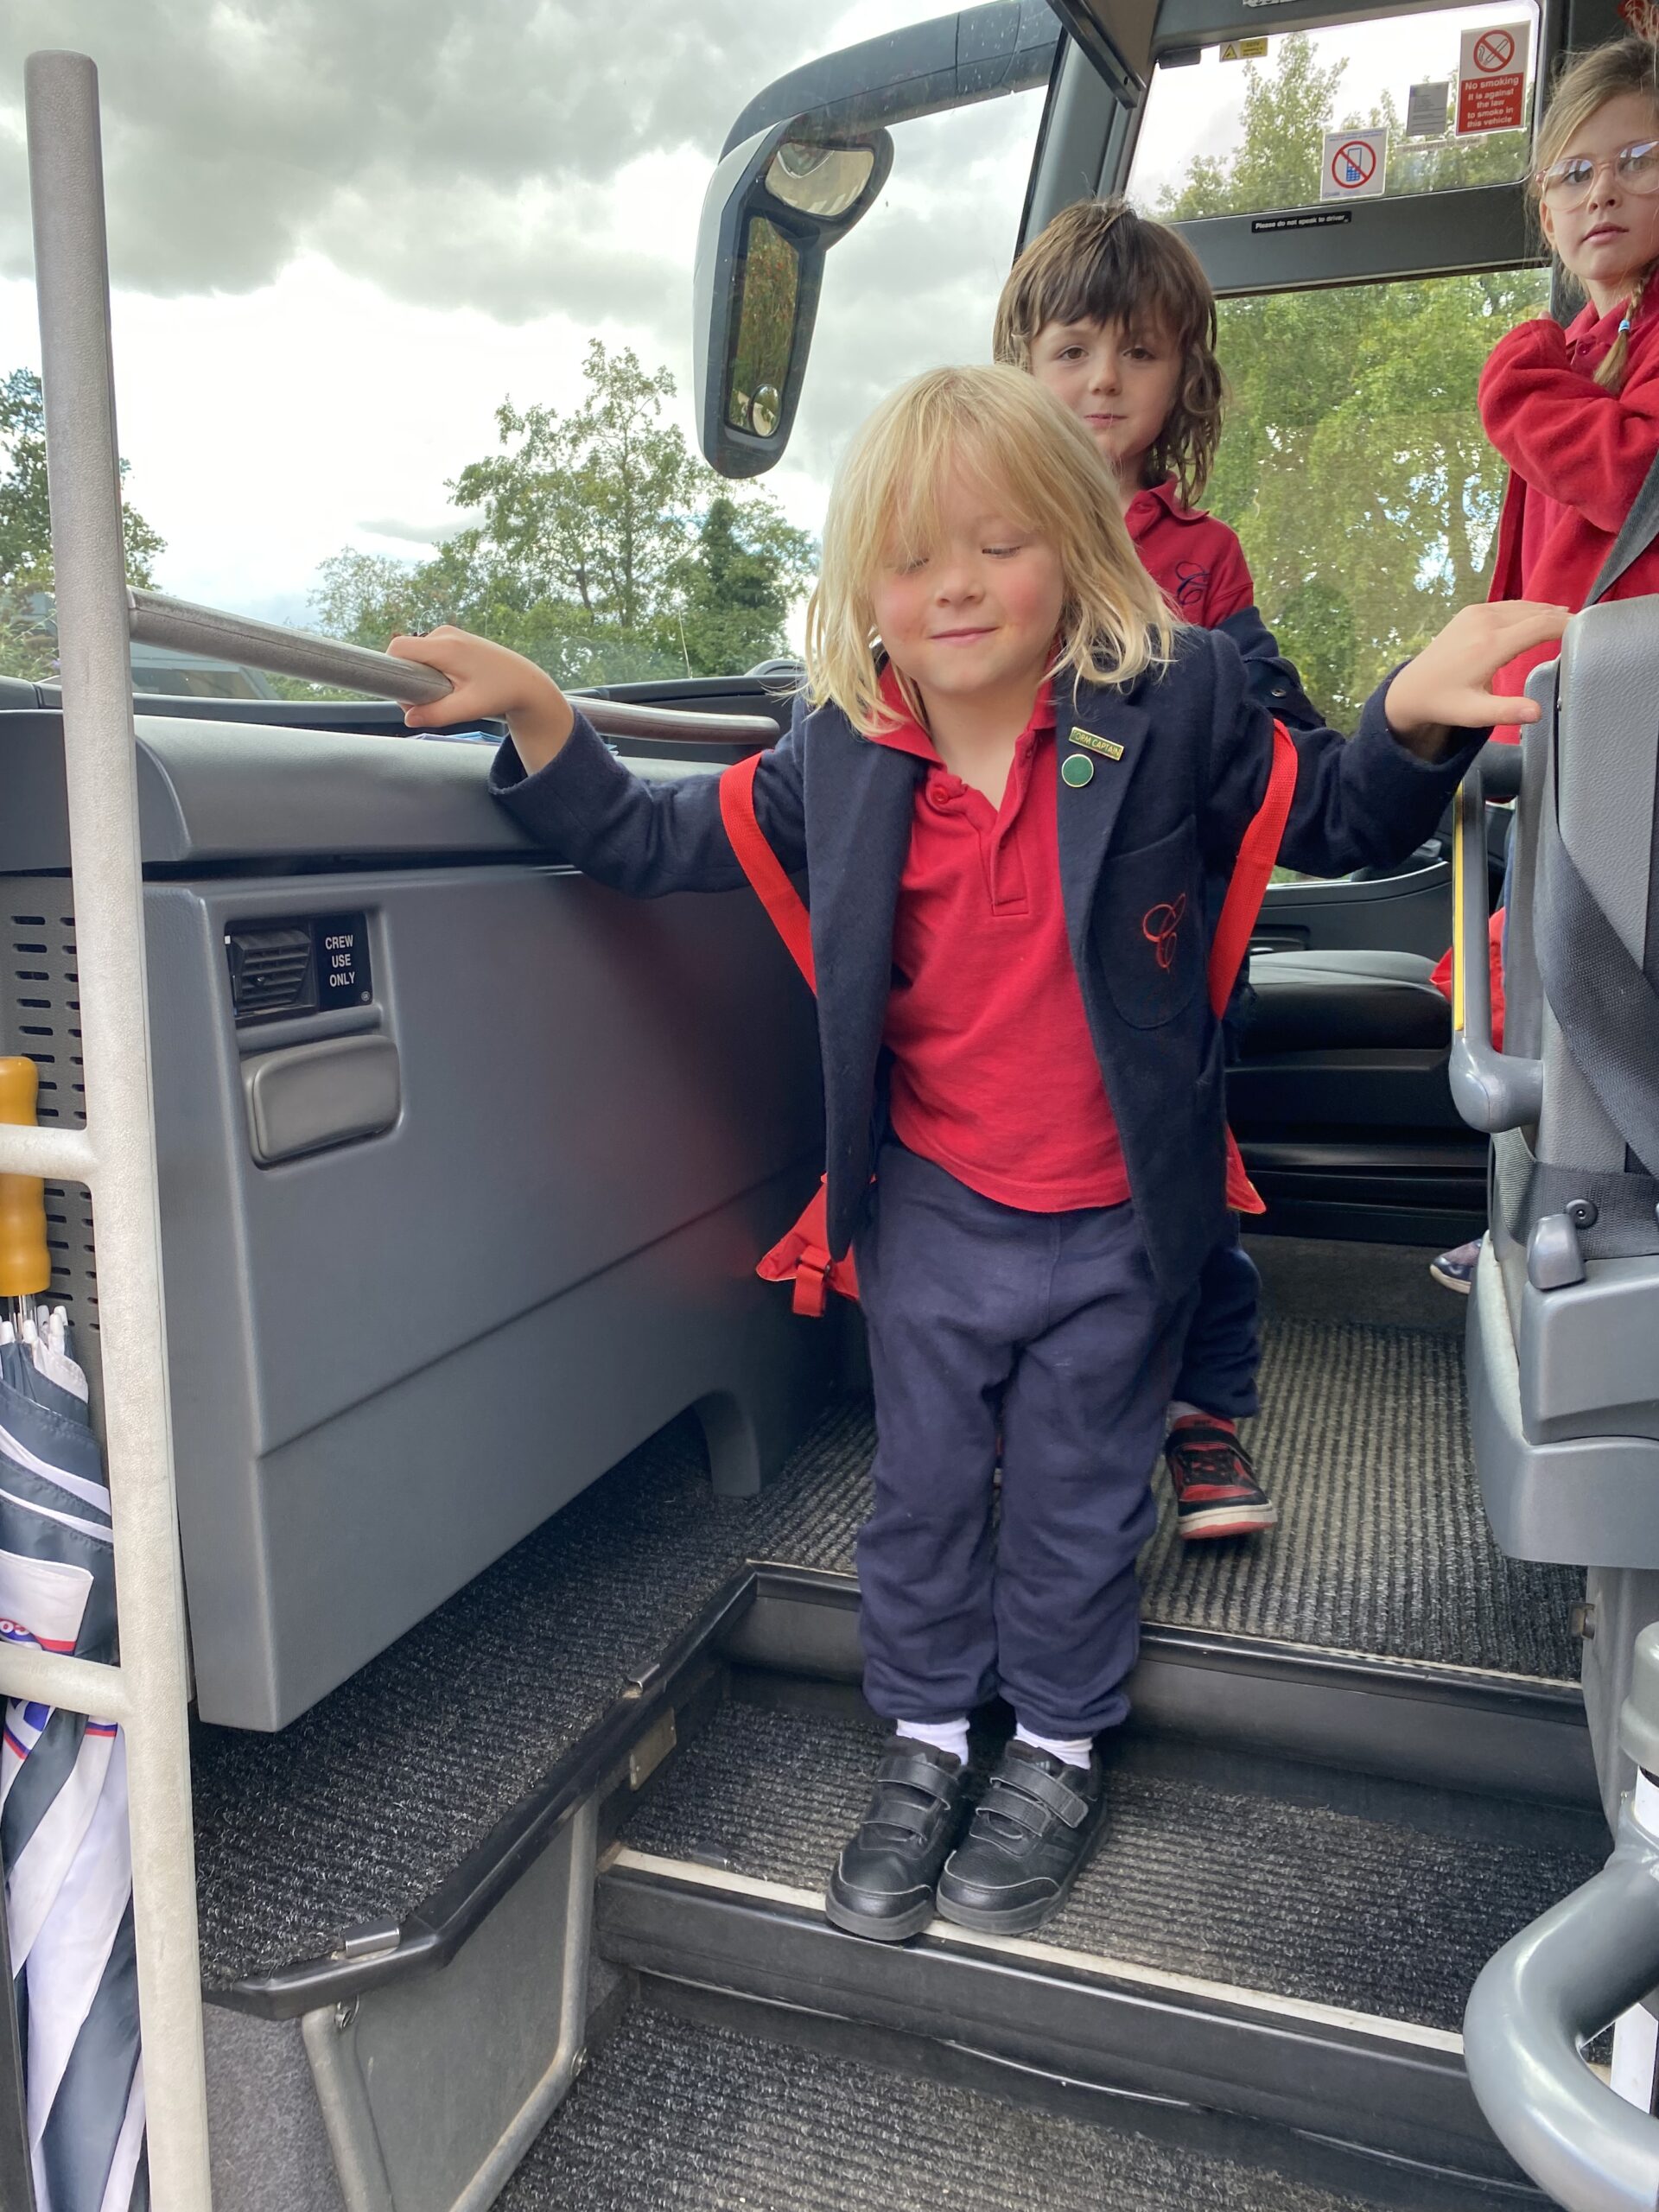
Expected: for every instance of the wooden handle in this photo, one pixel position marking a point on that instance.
(25, 1263)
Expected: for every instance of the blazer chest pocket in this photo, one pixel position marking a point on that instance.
(1149, 928)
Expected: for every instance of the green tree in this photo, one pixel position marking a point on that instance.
(25, 512)
(27, 643)
(603, 548)
(1354, 467)
(736, 586)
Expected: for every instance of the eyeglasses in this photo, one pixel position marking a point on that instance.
(1567, 184)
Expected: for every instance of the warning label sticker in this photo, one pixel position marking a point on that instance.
(1492, 78)
(1356, 165)
(1429, 107)
(1243, 49)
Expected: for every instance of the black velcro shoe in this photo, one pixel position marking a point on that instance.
(883, 1882)
(1033, 1828)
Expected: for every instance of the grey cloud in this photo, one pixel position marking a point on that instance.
(463, 153)
(236, 138)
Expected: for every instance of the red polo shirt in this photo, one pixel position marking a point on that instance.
(1196, 562)
(995, 1077)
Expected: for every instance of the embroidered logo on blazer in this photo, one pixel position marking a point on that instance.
(1159, 925)
(1109, 745)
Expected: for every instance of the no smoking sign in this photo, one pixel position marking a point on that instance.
(1356, 165)
(1492, 78)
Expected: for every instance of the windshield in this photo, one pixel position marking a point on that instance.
(402, 328)
(1368, 109)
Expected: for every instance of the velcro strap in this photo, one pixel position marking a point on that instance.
(903, 1813)
(915, 1774)
(1026, 1779)
(811, 1292)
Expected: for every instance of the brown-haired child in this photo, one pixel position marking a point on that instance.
(1114, 314)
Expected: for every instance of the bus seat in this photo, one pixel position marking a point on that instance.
(1564, 1323)
(1311, 1001)
(464, 1166)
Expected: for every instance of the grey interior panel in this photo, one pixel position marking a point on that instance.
(438, 1258)
(209, 792)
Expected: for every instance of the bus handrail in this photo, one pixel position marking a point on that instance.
(115, 1155)
(1492, 1091)
(183, 626)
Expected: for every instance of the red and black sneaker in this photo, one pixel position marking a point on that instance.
(1215, 1490)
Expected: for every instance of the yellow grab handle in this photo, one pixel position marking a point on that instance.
(25, 1263)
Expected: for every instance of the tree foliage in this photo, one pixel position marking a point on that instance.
(603, 549)
(26, 642)
(1353, 466)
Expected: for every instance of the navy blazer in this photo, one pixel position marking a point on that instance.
(1181, 763)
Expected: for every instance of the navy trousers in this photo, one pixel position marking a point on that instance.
(1222, 1350)
(1050, 1327)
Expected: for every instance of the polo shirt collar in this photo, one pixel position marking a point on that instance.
(910, 737)
(1152, 505)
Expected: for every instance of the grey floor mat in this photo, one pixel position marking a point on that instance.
(699, 2119)
(366, 1802)
(1227, 1883)
(1382, 1545)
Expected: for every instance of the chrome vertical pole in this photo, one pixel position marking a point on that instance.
(72, 279)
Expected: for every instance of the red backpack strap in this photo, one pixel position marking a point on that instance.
(785, 908)
(1252, 873)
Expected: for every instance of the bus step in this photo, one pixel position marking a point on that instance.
(1284, 1939)
(699, 2105)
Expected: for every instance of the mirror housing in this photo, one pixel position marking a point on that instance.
(775, 206)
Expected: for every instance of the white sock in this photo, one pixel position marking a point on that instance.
(1074, 1750)
(943, 1735)
(1178, 1409)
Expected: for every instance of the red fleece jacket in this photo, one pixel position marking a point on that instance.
(1578, 456)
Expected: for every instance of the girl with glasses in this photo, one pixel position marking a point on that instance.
(1576, 412)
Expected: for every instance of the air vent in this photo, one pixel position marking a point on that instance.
(272, 971)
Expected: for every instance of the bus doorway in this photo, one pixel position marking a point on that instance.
(507, 1872)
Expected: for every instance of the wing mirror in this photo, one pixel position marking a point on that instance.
(774, 208)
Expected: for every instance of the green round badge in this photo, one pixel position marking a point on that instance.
(1075, 769)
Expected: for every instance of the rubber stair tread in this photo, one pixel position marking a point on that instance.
(673, 2117)
(1298, 1901)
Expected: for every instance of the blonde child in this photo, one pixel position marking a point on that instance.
(1014, 753)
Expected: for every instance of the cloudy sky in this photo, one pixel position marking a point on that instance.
(342, 231)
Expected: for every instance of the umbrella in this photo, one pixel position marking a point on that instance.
(63, 1788)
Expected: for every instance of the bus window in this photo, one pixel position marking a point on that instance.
(1247, 135)
(1353, 465)
(1354, 468)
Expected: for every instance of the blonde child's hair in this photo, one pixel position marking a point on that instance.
(1100, 261)
(1042, 467)
(1585, 84)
